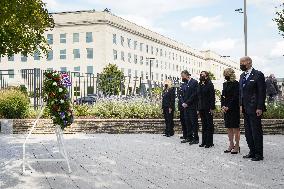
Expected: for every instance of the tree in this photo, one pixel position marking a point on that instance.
(211, 76)
(22, 25)
(280, 19)
(111, 80)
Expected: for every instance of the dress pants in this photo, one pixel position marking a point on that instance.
(169, 119)
(254, 134)
(191, 122)
(207, 127)
(183, 125)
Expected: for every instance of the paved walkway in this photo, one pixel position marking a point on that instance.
(140, 162)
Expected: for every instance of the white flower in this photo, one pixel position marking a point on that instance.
(61, 101)
(60, 90)
(54, 83)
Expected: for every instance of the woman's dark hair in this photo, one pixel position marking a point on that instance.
(206, 74)
(186, 73)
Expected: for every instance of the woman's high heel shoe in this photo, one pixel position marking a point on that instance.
(228, 151)
(236, 152)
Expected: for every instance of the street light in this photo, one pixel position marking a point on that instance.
(240, 10)
(150, 67)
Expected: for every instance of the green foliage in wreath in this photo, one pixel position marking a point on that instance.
(57, 99)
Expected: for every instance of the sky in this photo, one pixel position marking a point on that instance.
(202, 24)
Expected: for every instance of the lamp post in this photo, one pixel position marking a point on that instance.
(240, 10)
(150, 61)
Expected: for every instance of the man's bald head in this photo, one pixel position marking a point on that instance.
(245, 63)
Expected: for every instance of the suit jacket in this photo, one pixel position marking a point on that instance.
(168, 100)
(206, 96)
(253, 93)
(188, 94)
(230, 95)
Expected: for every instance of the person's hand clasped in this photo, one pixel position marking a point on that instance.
(184, 105)
(258, 112)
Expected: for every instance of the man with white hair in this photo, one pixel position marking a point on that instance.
(252, 101)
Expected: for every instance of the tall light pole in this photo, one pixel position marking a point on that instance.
(150, 61)
(245, 25)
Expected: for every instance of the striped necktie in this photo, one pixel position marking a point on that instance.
(244, 79)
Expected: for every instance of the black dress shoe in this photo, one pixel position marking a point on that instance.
(249, 156)
(181, 137)
(164, 134)
(209, 146)
(185, 141)
(257, 158)
(193, 142)
(201, 145)
(168, 135)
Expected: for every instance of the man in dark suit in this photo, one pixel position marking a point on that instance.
(252, 99)
(188, 105)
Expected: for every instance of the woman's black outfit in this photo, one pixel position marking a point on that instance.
(167, 103)
(230, 99)
(206, 103)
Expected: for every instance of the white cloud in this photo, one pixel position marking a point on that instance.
(221, 45)
(278, 49)
(202, 23)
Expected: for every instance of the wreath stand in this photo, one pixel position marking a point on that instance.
(60, 143)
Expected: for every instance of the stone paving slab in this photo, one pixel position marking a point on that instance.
(139, 162)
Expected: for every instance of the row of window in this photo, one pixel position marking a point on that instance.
(76, 38)
(152, 50)
(155, 63)
(62, 55)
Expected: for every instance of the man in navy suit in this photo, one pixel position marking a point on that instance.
(252, 99)
(188, 104)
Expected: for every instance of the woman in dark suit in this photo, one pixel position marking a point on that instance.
(231, 109)
(206, 105)
(168, 106)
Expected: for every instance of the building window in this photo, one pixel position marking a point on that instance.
(114, 38)
(90, 69)
(11, 73)
(129, 57)
(11, 58)
(141, 60)
(114, 54)
(75, 37)
(135, 45)
(152, 50)
(63, 38)
(63, 69)
(76, 53)
(129, 43)
(122, 40)
(142, 75)
(141, 47)
(77, 69)
(157, 51)
(122, 56)
(89, 37)
(157, 64)
(63, 54)
(147, 48)
(157, 76)
(135, 59)
(129, 72)
(36, 55)
(136, 73)
(50, 55)
(90, 53)
(50, 39)
(23, 57)
(161, 52)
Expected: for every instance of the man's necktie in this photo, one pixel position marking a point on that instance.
(244, 79)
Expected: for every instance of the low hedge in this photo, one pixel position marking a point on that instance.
(14, 104)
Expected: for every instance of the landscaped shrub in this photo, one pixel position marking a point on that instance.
(82, 110)
(14, 104)
(274, 112)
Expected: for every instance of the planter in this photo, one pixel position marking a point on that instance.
(130, 126)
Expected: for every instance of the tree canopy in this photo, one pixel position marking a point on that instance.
(22, 25)
(111, 80)
(280, 19)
